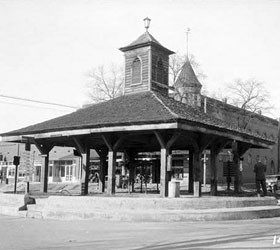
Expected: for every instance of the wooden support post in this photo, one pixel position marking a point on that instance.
(235, 151)
(132, 174)
(84, 151)
(163, 173)
(199, 144)
(44, 173)
(103, 167)
(164, 152)
(131, 155)
(191, 172)
(112, 151)
(197, 173)
(111, 185)
(213, 171)
(44, 149)
(85, 171)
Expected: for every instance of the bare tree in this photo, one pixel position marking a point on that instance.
(105, 84)
(249, 95)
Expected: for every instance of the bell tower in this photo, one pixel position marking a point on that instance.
(146, 64)
(188, 88)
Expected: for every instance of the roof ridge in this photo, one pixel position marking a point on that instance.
(232, 106)
(168, 109)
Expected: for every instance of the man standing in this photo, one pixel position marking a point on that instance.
(260, 170)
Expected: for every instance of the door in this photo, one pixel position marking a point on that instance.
(68, 173)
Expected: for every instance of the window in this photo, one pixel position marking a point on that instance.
(159, 75)
(136, 71)
(272, 167)
(62, 169)
(249, 158)
(265, 160)
(159, 70)
(154, 67)
(50, 171)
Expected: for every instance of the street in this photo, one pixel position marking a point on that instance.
(24, 233)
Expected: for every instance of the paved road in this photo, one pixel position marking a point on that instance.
(25, 233)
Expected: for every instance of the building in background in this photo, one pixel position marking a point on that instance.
(64, 165)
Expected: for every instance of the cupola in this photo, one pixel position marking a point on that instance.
(146, 64)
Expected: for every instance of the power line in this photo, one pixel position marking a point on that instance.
(33, 106)
(37, 101)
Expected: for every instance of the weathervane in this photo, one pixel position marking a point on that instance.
(187, 33)
(147, 23)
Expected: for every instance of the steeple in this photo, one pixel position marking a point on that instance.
(188, 88)
(146, 64)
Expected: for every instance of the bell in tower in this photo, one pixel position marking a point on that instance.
(146, 64)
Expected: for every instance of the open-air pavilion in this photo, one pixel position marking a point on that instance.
(144, 119)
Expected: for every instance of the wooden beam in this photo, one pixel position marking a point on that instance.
(39, 147)
(118, 143)
(111, 145)
(107, 142)
(160, 139)
(44, 148)
(226, 134)
(173, 139)
(85, 131)
(204, 142)
(145, 127)
(79, 146)
(242, 148)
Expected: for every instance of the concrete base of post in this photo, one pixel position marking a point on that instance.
(173, 189)
(196, 189)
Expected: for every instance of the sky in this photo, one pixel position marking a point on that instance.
(48, 46)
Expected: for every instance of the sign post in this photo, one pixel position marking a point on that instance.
(27, 161)
(16, 163)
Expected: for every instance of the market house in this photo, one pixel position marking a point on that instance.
(145, 119)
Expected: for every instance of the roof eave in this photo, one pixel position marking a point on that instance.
(150, 43)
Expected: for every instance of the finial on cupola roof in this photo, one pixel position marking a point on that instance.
(147, 21)
(187, 33)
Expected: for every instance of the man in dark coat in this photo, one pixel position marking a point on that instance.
(260, 170)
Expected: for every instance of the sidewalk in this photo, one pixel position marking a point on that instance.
(124, 206)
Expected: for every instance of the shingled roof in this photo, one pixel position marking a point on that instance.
(135, 109)
(145, 39)
(187, 77)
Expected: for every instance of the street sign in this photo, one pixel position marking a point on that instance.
(26, 165)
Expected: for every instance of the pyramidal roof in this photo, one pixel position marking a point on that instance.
(135, 109)
(145, 39)
(187, 77)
